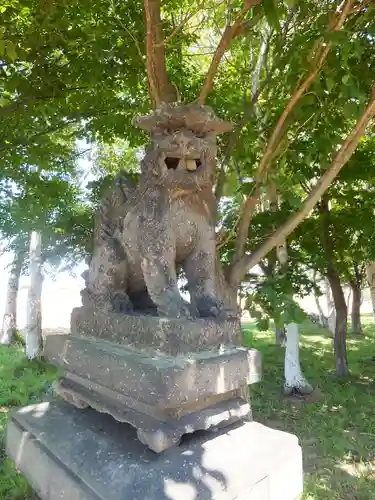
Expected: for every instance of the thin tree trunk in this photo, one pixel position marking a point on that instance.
(294, 379)
(331, 310)
(349, 297)
(322, 318)
(9, 327)
(370, 272)
(339, 341)
(280, 336)
(356, 308)
(33, 337)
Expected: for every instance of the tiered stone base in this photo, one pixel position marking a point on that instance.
(71, 454)
(162, 396)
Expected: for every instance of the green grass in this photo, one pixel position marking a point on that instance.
(21, 382)
(337, 433)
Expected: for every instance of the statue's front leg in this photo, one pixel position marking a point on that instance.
(200, 272)
(158, 266)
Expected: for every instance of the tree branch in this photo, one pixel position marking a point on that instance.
(179, 27)
(274, 141)
(241, 267)
(228, 34)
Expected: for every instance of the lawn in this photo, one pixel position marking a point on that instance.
(21, 382)
(337, 432)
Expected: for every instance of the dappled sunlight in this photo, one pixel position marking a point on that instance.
(37, 410)
(19, 455)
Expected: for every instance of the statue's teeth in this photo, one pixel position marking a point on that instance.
(191, 165)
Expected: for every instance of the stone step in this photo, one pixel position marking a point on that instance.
(67, 454)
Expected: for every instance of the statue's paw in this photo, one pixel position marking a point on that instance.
(185, 312)
(210, 307)
(121, 303)
(175, 309)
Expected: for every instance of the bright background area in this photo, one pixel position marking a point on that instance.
(63, 293)
(59, 296)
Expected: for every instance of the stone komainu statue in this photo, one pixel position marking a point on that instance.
(146, 232)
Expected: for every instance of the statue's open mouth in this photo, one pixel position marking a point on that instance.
(190, 164)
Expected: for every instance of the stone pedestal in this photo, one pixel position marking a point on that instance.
(71, 454)
(167, 335)
(162, 396)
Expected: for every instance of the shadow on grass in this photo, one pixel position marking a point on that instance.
(337, 433)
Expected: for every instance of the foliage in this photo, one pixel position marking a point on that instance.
(79, 68)
(352, 198)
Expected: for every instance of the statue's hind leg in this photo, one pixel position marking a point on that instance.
(106, 281)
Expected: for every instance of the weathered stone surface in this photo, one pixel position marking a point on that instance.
(68, 454)
(157, 434)
(172, 336)
(162, 396)
(146, 232)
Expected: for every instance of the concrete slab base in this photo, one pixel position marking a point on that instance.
(71, 454)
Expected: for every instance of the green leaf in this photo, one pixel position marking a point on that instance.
(2, 47)
(345, 79)
(330, 82)
(263, 324)
(3, 101)
(350, 109)
(272, 15)
(247, 188)
(11, 50)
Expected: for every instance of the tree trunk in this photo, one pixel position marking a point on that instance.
(323, 320)
(356, 308)
(33, 337)
(348, 298)
(280, 335)
(295, 382)
(161, 89)
(9, 327)
(339, 342)
(294, 379)
(370, 272)
(331, 310)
